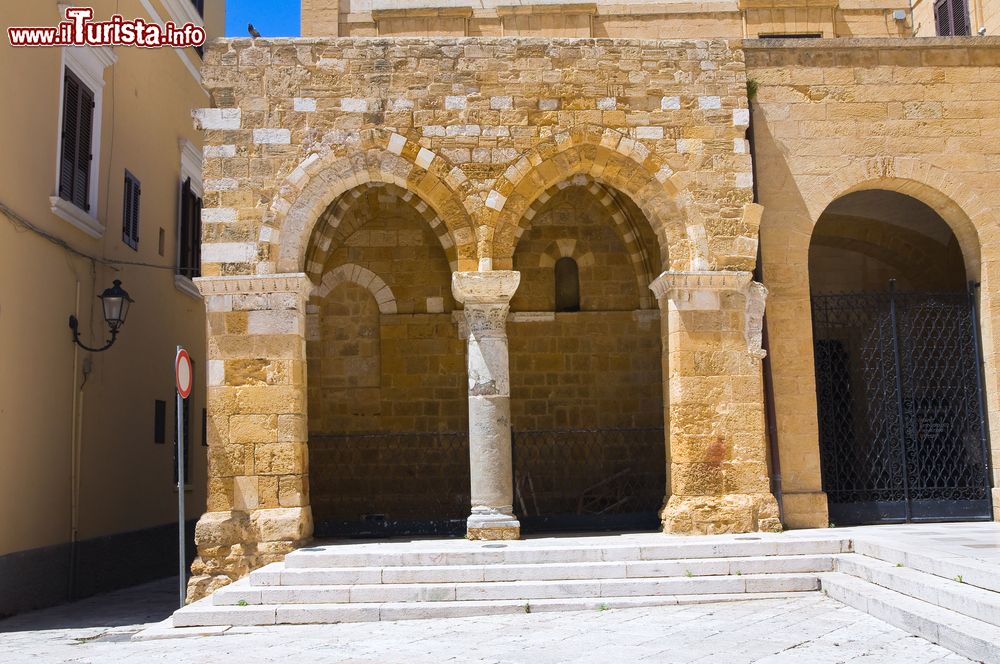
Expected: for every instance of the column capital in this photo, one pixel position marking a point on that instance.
(293, 282)
(699, 289)
(493, 287)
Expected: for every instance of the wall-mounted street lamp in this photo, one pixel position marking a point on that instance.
(116, 303)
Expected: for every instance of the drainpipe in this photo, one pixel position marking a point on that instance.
(771, 419)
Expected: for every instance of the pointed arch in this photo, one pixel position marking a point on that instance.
(382, 157)
(609, 157)
(329, 228)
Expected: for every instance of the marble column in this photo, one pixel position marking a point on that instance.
(486, 300)
(715, 403)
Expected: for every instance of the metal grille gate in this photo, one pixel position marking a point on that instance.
(899, 400)
(395, 484)
(589, 479)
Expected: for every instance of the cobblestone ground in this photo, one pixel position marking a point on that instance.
(810, 629)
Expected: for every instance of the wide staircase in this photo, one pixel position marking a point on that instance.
(350, 583)
(954, 602)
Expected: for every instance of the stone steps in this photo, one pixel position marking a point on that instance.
(973, 572)
(967, 636)
(204, 613)
(244, 593)
(528, 552)
(399, 581)
(951, 594)
(278, 574)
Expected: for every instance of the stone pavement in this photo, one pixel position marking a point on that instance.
(813, 629)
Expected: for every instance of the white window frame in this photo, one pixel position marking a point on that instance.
(183, 11)
(194, 70)
(88, 64)
(190, 167)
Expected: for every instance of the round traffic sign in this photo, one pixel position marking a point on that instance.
(184, 373)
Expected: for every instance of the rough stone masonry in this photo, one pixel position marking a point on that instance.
(472, 133)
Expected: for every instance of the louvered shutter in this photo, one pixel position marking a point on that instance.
(196, 236)
(184, 253)
(81, 179)
(130, 211)
(70, 132)
(136, 193)
(960, 18)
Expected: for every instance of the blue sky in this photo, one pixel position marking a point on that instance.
(272, 18)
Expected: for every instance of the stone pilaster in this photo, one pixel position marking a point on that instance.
(711, 325)
(486, 299)
(258, 495)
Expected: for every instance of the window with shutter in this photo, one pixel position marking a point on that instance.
(189, 236)
(77, 138)
(130, 211)
(952, 18)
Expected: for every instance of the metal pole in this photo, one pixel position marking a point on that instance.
(181, 557)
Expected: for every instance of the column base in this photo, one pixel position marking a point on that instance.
(232, 544)
(493, 524)
(807, 509)
(710, 515)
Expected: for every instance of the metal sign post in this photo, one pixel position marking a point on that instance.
(184, 379)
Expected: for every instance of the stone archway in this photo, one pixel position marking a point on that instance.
(387, 422)
(805, 505)
(585, 458)
(896, 364)
(382, 157)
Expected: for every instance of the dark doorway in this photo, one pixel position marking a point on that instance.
(898, 366)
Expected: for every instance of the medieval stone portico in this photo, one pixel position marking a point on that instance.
(444, 240)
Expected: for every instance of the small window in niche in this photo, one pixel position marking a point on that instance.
(567, 285)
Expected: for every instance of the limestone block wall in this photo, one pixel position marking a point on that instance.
(919, 117)
(473, 136)
(586, 370)
(477, 130)
(575, 223)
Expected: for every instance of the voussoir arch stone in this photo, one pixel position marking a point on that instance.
(379, 157)
(609, 157)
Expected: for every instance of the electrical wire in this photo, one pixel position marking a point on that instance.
(24, 224)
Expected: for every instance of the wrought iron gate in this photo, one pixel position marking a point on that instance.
(589, 479)
(899, 398)
(389, 484)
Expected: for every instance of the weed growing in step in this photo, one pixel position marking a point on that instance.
(527, 607)
(899, 564)
(603, 607)
(959, 579)
(242, 602)
(688, 573)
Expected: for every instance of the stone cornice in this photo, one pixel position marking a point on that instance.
(562, 8)
(415, 12)
(493, 287)
(255, 283)
(673, 284)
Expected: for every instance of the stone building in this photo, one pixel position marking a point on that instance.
(541, 238)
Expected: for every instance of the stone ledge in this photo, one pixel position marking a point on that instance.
(671, 282)
(271, 283)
